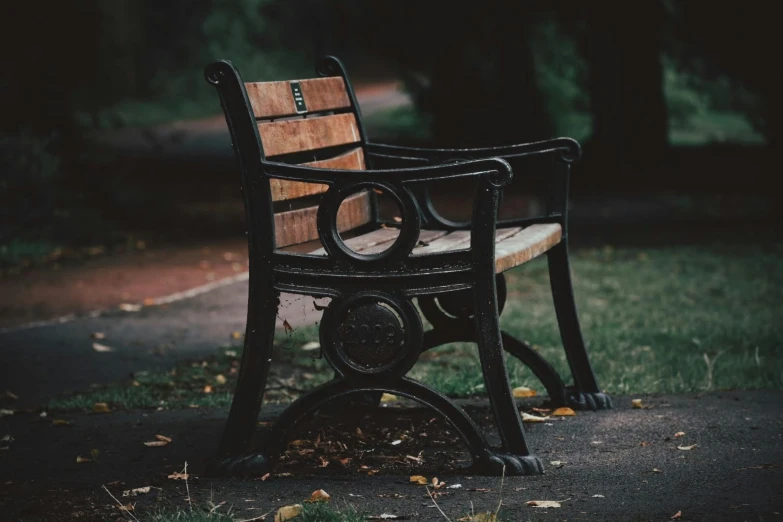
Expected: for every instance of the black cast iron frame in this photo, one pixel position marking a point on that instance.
(395, 277)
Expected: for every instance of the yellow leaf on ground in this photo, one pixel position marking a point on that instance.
(207, 389)
(523, 391)
(637, 404)
(288, 512)
(220, 378)
(100, 407)
(319, 496)
(563, 412)
(542, 504)
(526, 417)
(163, 438)
(388, 397)
(418, 479)
(687, 448)
(155, 443)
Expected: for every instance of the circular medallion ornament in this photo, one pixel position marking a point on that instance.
(371, 333)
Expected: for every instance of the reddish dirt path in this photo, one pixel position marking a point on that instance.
(105, 282)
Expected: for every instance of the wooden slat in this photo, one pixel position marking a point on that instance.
(283, 190)
(298, 226)
(283, 137)
(526, 245)
(425, 236)
(275, 100)
(460, 240)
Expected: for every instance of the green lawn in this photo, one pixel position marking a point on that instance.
(663, 320)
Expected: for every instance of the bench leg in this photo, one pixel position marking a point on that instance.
(240, 428)
(585, 394)
(504, 407)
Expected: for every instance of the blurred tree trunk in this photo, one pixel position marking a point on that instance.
(484, 89)
(121, 42)
(630, 121)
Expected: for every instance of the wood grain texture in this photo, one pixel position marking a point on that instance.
(283, 190)
(283, 137)
(274, 99)
(526, 245)
(299, 226)
(460, 240)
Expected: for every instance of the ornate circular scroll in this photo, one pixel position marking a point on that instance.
(371, 333)
(400, 248)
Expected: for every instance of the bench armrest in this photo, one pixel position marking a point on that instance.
(567, 147)
(496, 170)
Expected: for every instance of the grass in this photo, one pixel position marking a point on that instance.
(665, 320)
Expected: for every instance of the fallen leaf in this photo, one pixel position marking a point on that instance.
(129, 307)
(557, 463)
(156, 443)
(687, 448)
(98, 336)
(676, 515)
(82, 460)
(287, 327)
(266, 476)
(181, 476)
(236, 335)
(320, 496)
(523, 391)
(526, 417)
(220, 379)
(100, 407)
(656, 470)
(163, 438)
(679, 434)
(101, 348)
(637, 404)
(542, 504)
(388, 397)
(136, 491)
(312, 345)
(396, 442)
(288, 512)
(126, 507)
(208, 389)
(563, 412)
(417, 460)
(436, 483)
(4, 412)
(418, 479)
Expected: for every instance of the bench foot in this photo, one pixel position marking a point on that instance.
(594, 401)
(255, 464)
(497, 463)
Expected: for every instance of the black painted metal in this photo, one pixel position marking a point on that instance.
(371, 333)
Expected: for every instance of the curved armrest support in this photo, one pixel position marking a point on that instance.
(568, 148)
(496, 170)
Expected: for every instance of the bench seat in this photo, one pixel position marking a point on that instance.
(513, 246)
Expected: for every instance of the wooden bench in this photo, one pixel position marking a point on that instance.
(312, 181)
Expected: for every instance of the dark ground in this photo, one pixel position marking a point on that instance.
(735, 471)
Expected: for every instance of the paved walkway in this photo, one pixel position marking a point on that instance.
(616, 465)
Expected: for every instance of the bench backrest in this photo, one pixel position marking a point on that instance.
(310, 122)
